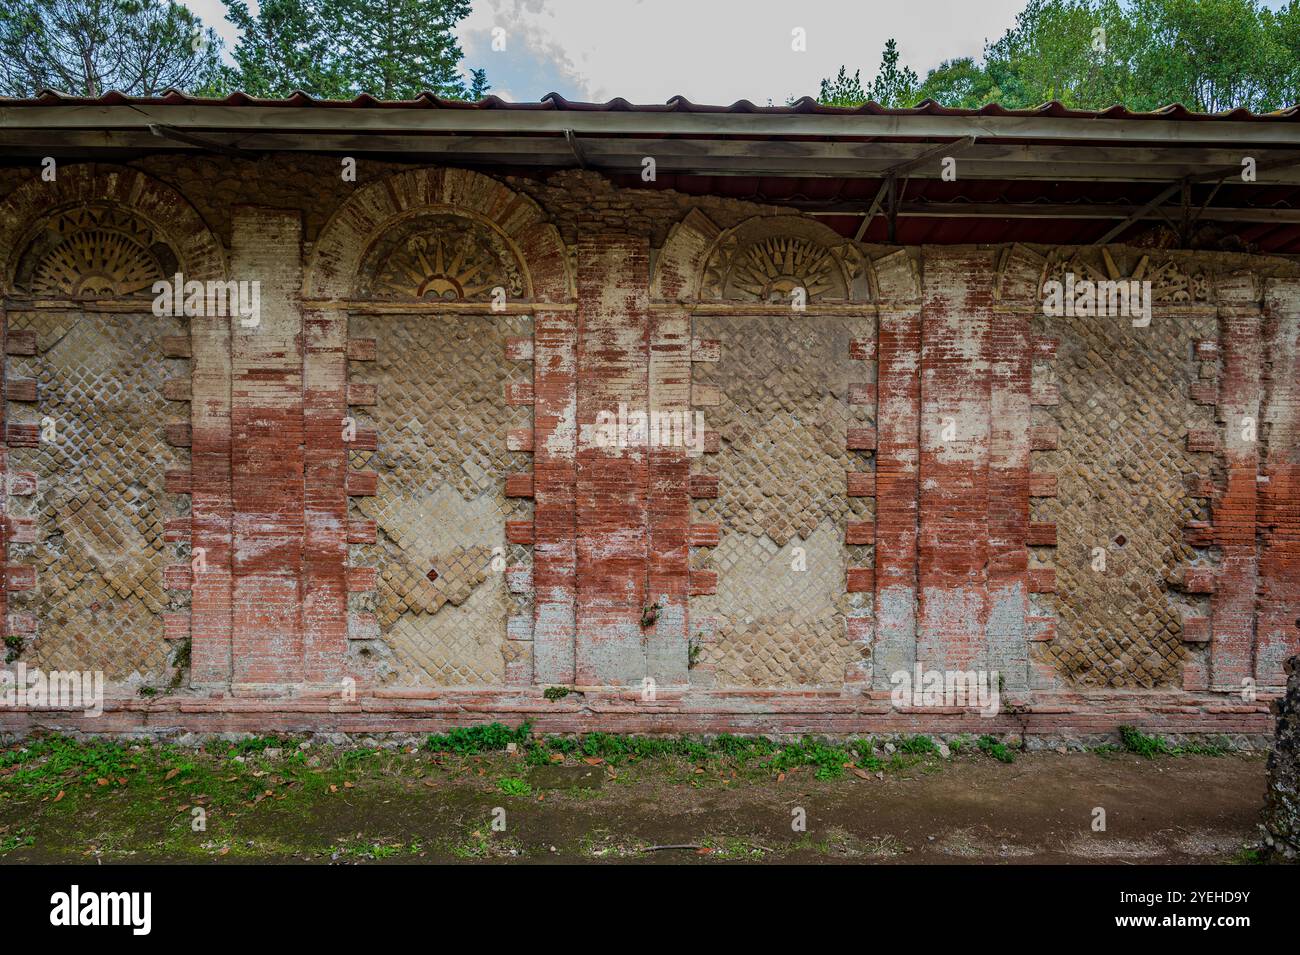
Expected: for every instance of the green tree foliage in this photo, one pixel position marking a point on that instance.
(894, 85)
(1284, 27)
(282, 48)
(89, 47)
(1209, 55)
(960, 82)
(392, 49)
(844, 90)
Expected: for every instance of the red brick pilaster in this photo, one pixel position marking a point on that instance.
(1234, 511)
(898, 390)
(1278, 621)
(211, 511)
(954, 458)
(325, 496)
(613, 330)
(267, 452)
(554, 442)
(1010, 420)
(668, 500)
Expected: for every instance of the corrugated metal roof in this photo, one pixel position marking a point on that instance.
(676, 104)
(777, 176)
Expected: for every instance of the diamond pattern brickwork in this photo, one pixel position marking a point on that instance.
(101, 503)
(1122, 469)
(782, 420)
(442, 420)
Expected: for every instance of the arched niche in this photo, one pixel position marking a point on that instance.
(438, 235)
(101, 232)
(761, 261)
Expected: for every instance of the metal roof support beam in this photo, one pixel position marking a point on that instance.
(1046, 210)
(872, 210)
(889, 188)
(1184, 185)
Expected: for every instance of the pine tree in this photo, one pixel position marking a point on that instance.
(89, 47)
(336, 49)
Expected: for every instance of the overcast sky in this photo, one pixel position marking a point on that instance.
(710, 51)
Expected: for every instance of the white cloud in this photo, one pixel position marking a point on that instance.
(710, 51)
(718, 52)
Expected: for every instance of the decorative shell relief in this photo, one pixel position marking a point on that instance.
(94, 252)
(1170, 284)
(441, 258)
(769, 269)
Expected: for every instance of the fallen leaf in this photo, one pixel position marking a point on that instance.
(101, 781)
(780, 777)
(59, 796)
(172, 774)
(593, 760)
(861, 773)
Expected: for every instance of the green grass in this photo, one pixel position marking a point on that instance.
(917, 745)
(472, 740)
(1135, 741)
(1149, 747)
(992, 746)
(285, 771)
(45, 766)
(514, 786)
(15, 840)
(116, 798)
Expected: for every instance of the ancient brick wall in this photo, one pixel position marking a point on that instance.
(387, 502)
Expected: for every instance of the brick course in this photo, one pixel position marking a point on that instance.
(916, 435)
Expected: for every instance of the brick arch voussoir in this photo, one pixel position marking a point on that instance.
(692, 242)
(336, 257)
(199, 252)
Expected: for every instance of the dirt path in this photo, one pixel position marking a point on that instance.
(1041, 808)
